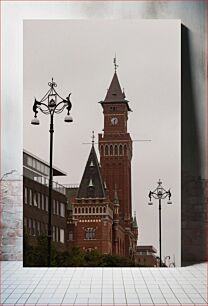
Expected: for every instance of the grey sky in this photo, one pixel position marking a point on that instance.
(79, 55)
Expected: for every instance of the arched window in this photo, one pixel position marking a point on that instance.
(90, 210)
(97, 210)
(86, 210)
(82, 210)
(111, 150)
(75, 210)
(125, 149)
(106, 149)
(120, 150)
(104, 210)
(116, 150)
(79, 210)
(101, 210)
(93, 210)
(101, 150)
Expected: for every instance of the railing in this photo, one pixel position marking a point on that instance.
(71, 185)
(43, 180)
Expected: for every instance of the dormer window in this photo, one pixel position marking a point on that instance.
(90, 183)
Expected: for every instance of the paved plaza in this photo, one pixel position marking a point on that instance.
(103, 286)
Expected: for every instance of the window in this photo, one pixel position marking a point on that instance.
(116, 150)
(70, 235)
(38, 166)
(46, 203)
(101, 150)
(35, 199)
(75, 210)
(57, 208)
(53, 233)
(82, 210)
(101, 210)
(120, 150)
(34, 163)
(38, 227)
(111, 150)
(43, 202)
(54, 207)
(30, 225)
(86, 210)
(97, 210)
(33, 227)
(25, 194)
(25, 222)
(57, 234)
(61, 235)
(106, 149)
(39, 199)
(90, 233)
(62, 210)
(29, 161)
(104, 210)
(93, 210)
(30, 197)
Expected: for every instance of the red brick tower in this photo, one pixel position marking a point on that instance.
(115, 146)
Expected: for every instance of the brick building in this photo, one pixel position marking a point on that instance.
(101, 212)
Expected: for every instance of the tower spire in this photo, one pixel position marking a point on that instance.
(115, 64)
(93, 138)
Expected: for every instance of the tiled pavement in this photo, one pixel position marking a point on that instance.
(103, 286)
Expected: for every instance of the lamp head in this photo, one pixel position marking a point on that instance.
(35, 121)
(68, 118)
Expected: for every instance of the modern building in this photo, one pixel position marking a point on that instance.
(35, 201)
(146, 256)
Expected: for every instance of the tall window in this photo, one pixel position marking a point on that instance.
(25, 194)
(46, 203)
(43, 202)
(53, 233)
(61, 235)
(38, 227)
(54, 207)
(90, 233)
(62, 210)
(70, 235)
(57, 234)
(30, 197)
(39, 199)
(33, 227)
(35, 199)
(57, 207)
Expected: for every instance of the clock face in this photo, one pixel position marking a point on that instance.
(114, 121)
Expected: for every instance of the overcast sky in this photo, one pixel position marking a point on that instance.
(79, 56)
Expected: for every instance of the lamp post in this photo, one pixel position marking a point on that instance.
(52, 103)
(160, 193)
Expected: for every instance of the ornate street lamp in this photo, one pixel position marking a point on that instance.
(52, 103)
(160, 193)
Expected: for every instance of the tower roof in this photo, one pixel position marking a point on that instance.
(115, 94)
(92, 185)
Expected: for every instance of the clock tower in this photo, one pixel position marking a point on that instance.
(115, 146)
